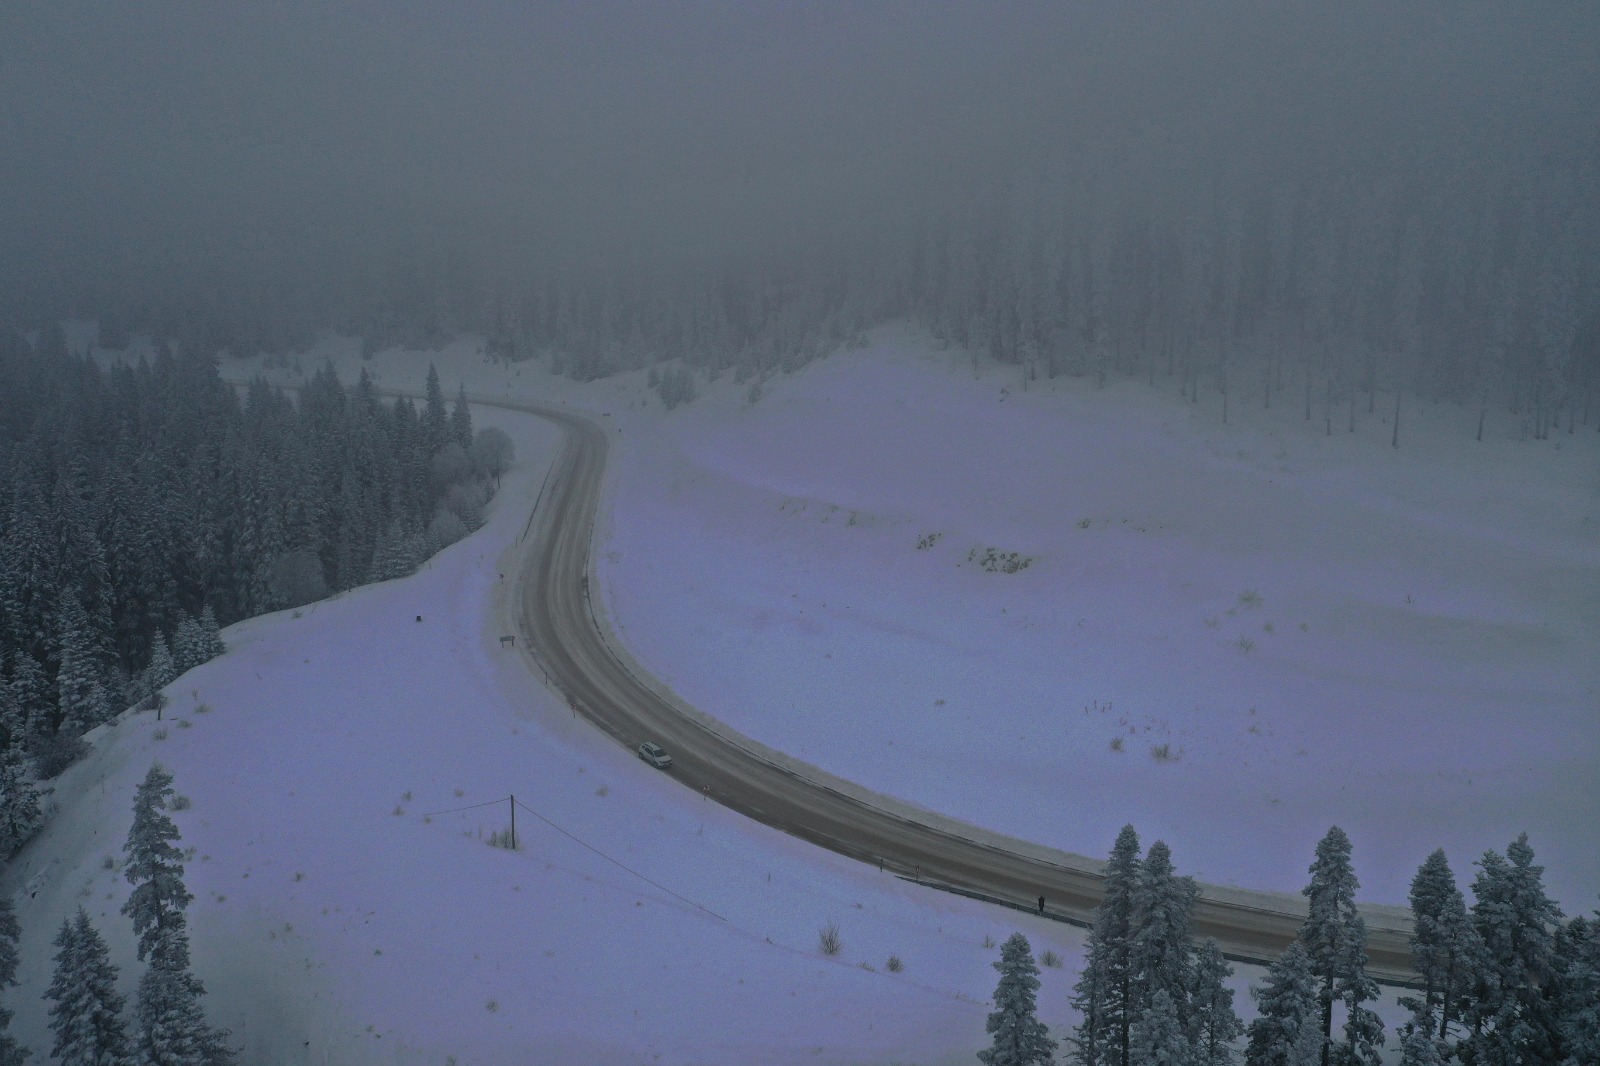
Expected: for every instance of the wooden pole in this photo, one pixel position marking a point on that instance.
(513, 822)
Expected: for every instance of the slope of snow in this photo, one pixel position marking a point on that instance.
(334, 921)
(1322, 630)
(763, 560)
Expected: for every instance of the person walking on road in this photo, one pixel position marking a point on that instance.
(1041, 905)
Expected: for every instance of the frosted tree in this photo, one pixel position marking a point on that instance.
(188, 645)
(81, 697)
(1331, 925)
(1443, 943)
(162, 671)
(19, 801)
(461, 420)
(1020, 1038)
(435, 420)
(1213, 1025)
(1288, 1028)
(1158, 1038)
(211, 644)
(1161, 952)
(1578, 1000)
(1363, 1029)
(1509, 1015)
(11, 1054)
(1417, 1048)
(87, 1012)
(170, 1027)
(1104, 992)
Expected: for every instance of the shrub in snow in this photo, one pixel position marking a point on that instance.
(445, 530)
(828, 939)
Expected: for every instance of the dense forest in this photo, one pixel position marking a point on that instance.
(1502, 983)
(144, 506)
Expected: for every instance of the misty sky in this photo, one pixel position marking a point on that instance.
(148, 134)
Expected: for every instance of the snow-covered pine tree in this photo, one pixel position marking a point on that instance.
(162, 671)
(1510, 1018)
(188, 645)
(1417, 1046)
(1330, 923)
(81, 697)
(154, 867)
(1287, 1030)
(1578, 1001)
(1020, 1038)
(1443, 943)
(1363, 1029)
(1104, 990)
(461, 420)
(435, 420)
(170, 1027)
(87, 1012)
(1161, 951)
(1158, 1038)
(20, 818)
(1213, 1025)
(11, 1054)
(210, 635)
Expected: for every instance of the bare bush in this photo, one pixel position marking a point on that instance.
(828, 939)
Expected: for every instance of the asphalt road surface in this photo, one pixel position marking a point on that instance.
(598, 680)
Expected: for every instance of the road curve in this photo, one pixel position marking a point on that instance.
(599, 680)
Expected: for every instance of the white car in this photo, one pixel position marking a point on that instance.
(651, 753)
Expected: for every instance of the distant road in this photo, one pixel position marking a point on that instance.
(561, 633)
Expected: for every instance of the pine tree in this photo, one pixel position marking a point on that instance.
(154, 867)
(1288, 1028)
(1363, 1029)
(1442, 942)
(20, 818)
(1158, 1038)
(188, 645)
(435, 422)
(1104, 992)
(87, 1015)
(11, 1054)
(1161, 953)
(1578, 998)
(171, 1028)
(162, 670)
(1417, 1046)
(1510, 1017)
(1213, 1025)
(461, 421)
(81, 696)
(1330, 924)
(211, 644)
(1020, 1039)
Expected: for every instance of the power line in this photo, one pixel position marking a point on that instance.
(624, 866)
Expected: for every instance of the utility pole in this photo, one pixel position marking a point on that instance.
(513, 822)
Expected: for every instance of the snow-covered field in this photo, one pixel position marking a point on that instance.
(1321, 630)
(335, 922)
(764, 561)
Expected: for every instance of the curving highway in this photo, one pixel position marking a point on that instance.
(599, 680)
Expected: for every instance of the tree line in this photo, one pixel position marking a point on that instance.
(1506, 982)
(169, 1026)
(145, 506)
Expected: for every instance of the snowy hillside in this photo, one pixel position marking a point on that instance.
(1314, 629)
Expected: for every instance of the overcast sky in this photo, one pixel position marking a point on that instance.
(157, 131)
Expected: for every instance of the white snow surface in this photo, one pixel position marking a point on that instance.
(1322, 629)
(762, 560)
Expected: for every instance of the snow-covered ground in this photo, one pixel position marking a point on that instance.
(334, 921)
(1321, 630)
(764, 561)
